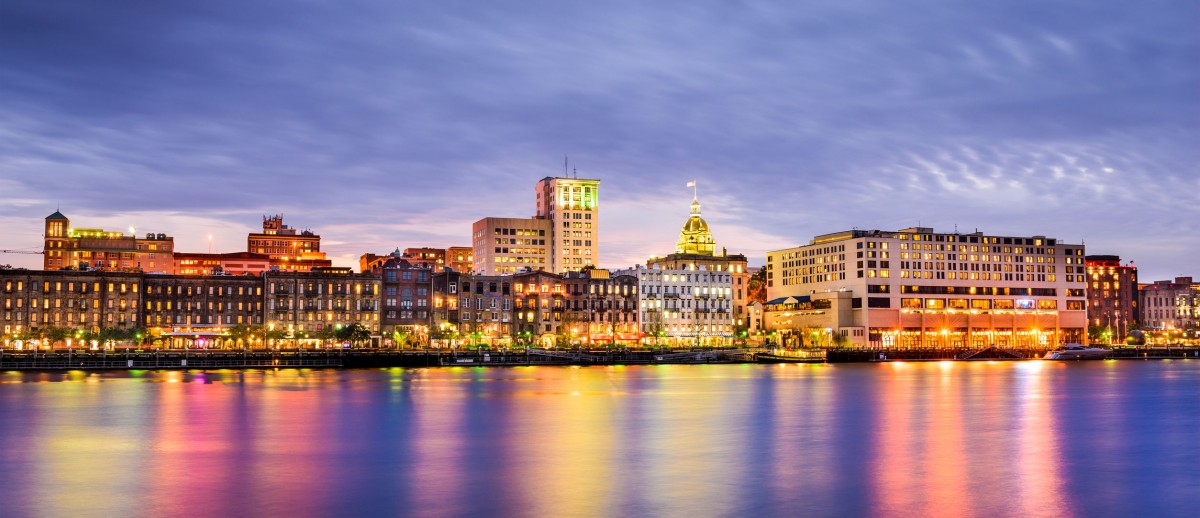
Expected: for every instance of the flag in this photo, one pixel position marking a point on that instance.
(691, 183)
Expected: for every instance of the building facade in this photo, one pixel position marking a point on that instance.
(198, 311)
(461, 259)
(1112, 291)
(234, 263)
(918, 288)
(509, 245)
(572, 207)
(307, 305)
(684, 306)
(37, 301)
(696, 251)
(290, 249)
(407, 302)
(1171, 306)
(66, 247)
(472, 309)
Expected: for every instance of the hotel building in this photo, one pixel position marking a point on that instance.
(572, 207)
(289, 249)
(98, 249)
(918, 288)
(509, 245)
(1112, 291)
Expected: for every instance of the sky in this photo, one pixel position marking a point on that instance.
(383, 124)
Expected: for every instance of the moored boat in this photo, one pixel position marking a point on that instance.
(1078, 352)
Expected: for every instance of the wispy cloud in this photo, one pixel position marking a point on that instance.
(381, 125)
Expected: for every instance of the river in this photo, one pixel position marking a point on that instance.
(1030, 438)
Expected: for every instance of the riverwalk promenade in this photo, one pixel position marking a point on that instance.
(370, 358)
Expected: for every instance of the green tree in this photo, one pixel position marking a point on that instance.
(355, 333)
(402, 337)
(328, 334)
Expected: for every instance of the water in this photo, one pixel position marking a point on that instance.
(897, 439)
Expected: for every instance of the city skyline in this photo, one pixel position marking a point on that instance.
(382, 128)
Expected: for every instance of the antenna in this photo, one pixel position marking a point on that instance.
(564, 165)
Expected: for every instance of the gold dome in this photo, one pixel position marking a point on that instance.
(695, 238)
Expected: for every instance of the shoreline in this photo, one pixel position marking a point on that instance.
(178, 359)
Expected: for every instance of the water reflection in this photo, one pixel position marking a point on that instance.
(928, 439)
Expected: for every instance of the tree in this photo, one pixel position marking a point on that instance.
(654, 324)
(274, 335)
(402, 337)
(568, 327)
(58, 334)
(328, 334)
(354, 333)
(756, 287)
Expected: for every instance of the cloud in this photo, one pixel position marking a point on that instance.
(383, 125)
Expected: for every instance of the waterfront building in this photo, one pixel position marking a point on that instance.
(609, 304)
(509, 245)
(485, 305)
(571, 205)
(199, 310)
(472, 309)
(1112, 292)
(407, 296)
(684, 306)
(919, 288)
(696, 250)
(1170, 307)
(309, 305)
(540, 302)
(290, 249)
(66, 247)
(592, 307)
(234, 263)
(37, 301)
(754, 318)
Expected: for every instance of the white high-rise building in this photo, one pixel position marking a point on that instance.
(572, 207)
(919, 288)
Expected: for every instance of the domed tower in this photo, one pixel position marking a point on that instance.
(695, 237)
(56, 239)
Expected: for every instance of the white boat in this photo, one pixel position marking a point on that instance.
(1077, 352)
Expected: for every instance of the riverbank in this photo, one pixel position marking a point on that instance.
(355, 358)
